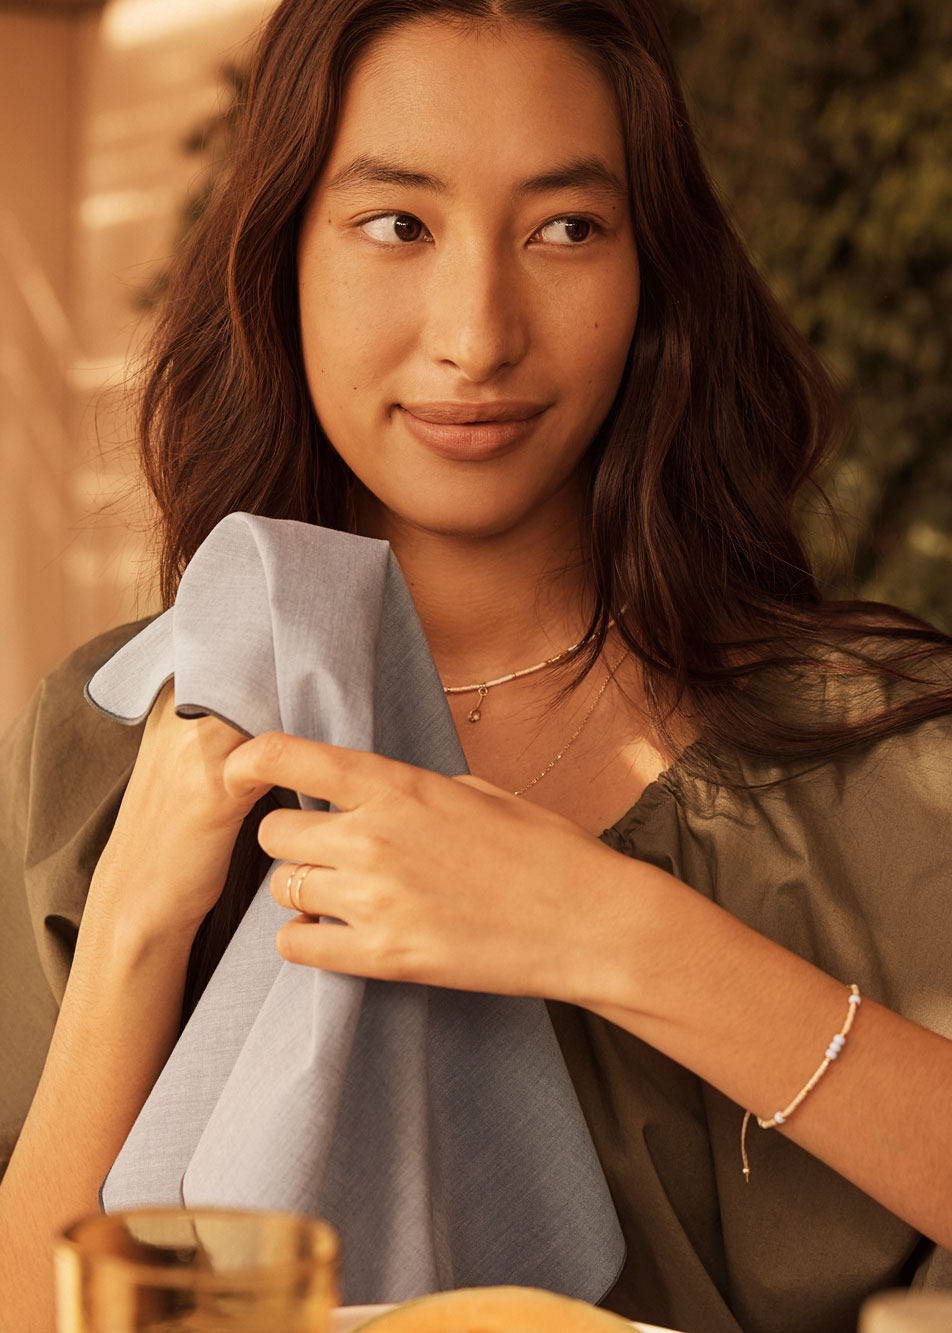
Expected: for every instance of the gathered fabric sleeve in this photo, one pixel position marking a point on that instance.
(63, 771)
(848, 864)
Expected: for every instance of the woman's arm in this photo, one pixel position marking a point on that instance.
(455, 883)
(162, 869)
(117, 1025)
(754, 1020)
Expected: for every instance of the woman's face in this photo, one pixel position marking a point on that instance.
(468, 251)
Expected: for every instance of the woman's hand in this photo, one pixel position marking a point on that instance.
(446, 881)
(452, 882)
(165, 863)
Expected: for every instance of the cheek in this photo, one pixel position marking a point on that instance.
(618, 299)
(595, 297)
(595, 332)
(350, 338)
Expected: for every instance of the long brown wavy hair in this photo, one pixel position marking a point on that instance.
(721, 423)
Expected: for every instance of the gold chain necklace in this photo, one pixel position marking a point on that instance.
(483, 687)
(577, 732)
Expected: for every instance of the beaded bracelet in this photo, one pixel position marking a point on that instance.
(832, 1051)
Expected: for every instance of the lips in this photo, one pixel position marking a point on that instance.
(471, 432)
(467, 413)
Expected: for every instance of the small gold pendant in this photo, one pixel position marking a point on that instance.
(474, 713)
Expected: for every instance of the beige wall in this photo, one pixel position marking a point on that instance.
(37, 155)
(93, 111)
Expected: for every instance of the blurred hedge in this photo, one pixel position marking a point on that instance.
(827, 125)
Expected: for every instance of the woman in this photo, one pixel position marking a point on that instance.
(442, 214)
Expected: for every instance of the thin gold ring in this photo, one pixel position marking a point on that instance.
(292, 871)
(294, 891)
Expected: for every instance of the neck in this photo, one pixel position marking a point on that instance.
(493, 604)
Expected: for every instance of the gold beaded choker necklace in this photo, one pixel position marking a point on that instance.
(483, 687)
(475, 713)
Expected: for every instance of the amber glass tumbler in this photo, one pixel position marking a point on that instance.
(197, 1270)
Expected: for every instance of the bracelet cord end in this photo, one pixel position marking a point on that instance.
(832, 1051)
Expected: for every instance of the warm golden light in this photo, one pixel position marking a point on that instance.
(137, 22)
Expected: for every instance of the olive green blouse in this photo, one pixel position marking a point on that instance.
(848, 864)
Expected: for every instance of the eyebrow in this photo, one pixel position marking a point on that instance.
(589, 173)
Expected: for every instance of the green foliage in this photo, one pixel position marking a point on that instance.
(827, 125)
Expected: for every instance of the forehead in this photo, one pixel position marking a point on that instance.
(466, 103)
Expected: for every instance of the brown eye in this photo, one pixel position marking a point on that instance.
(568, 231)
(577, 229)
(407, 228)
(394, 229)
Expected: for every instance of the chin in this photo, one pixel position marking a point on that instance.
(476, 506)
(463, 519)
(466, 527)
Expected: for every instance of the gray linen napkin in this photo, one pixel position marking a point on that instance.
(438, 1130)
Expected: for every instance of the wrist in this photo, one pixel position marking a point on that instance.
(620, 961)
(128, 971)
(126, 933)
(153, 901)
(690, 979)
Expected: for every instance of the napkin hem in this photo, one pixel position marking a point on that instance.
(124, 717)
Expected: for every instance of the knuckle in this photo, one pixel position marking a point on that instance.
(405, 787)
(270, 747)
(374, 849)
(246, 768)
(391, 958)
(382, 901)
(413, 782)
(363, 849)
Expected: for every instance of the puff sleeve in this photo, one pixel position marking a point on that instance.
(63, 770)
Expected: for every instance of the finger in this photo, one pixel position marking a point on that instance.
(293, 886)
(345, 778)
(329, 946)
(480, 784)
(296, 835)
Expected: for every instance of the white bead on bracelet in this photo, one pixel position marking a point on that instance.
(832, 1051)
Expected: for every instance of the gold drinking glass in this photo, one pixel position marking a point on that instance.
(196, 1270)
(907, 1311)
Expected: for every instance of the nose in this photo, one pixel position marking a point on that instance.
(477, 315)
